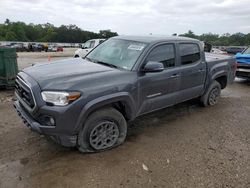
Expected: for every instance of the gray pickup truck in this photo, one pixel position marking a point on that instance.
(86, 103)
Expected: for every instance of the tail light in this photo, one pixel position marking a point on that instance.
(235, 65)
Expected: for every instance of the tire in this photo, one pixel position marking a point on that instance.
(104, 129)
(76, 56)
(212, 95)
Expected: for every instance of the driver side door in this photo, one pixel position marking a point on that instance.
(159, 89)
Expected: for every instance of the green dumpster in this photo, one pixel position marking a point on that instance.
(8, 67)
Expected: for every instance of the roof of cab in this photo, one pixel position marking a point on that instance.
(154, 38)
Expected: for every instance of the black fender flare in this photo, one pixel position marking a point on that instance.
(214, 77)
(219, 74)
(100, 102)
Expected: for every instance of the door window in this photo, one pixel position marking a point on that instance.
(164, 53)
(189, 53)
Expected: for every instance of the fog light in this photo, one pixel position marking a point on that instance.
(49, 121)
(52, 121)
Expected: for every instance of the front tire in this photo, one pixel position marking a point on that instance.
(104, 129)
(212, 95)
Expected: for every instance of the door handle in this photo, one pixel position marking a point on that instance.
(175, 75)
(201, 70)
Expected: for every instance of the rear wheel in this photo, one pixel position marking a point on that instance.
(212, 95)
(76, 56)
(104, 129)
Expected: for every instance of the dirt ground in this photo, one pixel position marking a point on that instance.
(182, 146)
(26, 59)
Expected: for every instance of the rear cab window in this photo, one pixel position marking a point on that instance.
(189, 53)
(164, 53)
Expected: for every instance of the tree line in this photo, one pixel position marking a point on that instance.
(236, 39)
(19, 31)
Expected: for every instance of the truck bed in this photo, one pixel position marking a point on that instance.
(219, 62)
(216, 57)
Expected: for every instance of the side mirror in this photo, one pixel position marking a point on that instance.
(153, 66)
(238, 54)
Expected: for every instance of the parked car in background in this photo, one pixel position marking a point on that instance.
(18, 46)
(38, 47)
(54, 48)
(234, 50)
(34, 47)
(87, 102)
(87, 47)
(243, 64)
(59, 49)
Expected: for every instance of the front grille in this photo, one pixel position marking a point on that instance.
(243, 66)
(24, 92)
(243, 74)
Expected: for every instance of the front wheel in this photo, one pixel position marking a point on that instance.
(104, 129)
(212, 95)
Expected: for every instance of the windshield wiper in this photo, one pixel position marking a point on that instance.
(107, 64)
(103, 63)
(89, 59)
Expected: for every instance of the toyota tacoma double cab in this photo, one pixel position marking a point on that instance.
(87, 103)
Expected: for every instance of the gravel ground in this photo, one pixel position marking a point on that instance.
(182, 146)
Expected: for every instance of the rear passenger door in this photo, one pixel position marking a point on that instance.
(158, 90)
(192, 69)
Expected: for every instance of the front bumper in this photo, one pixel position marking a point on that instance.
(243, 73)
(65, 140)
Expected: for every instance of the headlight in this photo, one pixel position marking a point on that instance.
(60, 98)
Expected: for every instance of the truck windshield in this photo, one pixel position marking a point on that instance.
(117, 53)
(247, 51)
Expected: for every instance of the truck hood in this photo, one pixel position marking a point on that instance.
(65, 73)
(243, 58)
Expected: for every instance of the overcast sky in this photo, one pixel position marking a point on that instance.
(135, 16)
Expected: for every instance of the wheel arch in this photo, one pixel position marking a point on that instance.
(221, 77)
(122, 102)
(222, 81)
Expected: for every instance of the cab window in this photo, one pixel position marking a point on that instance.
(190, 53)
(164, 53)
